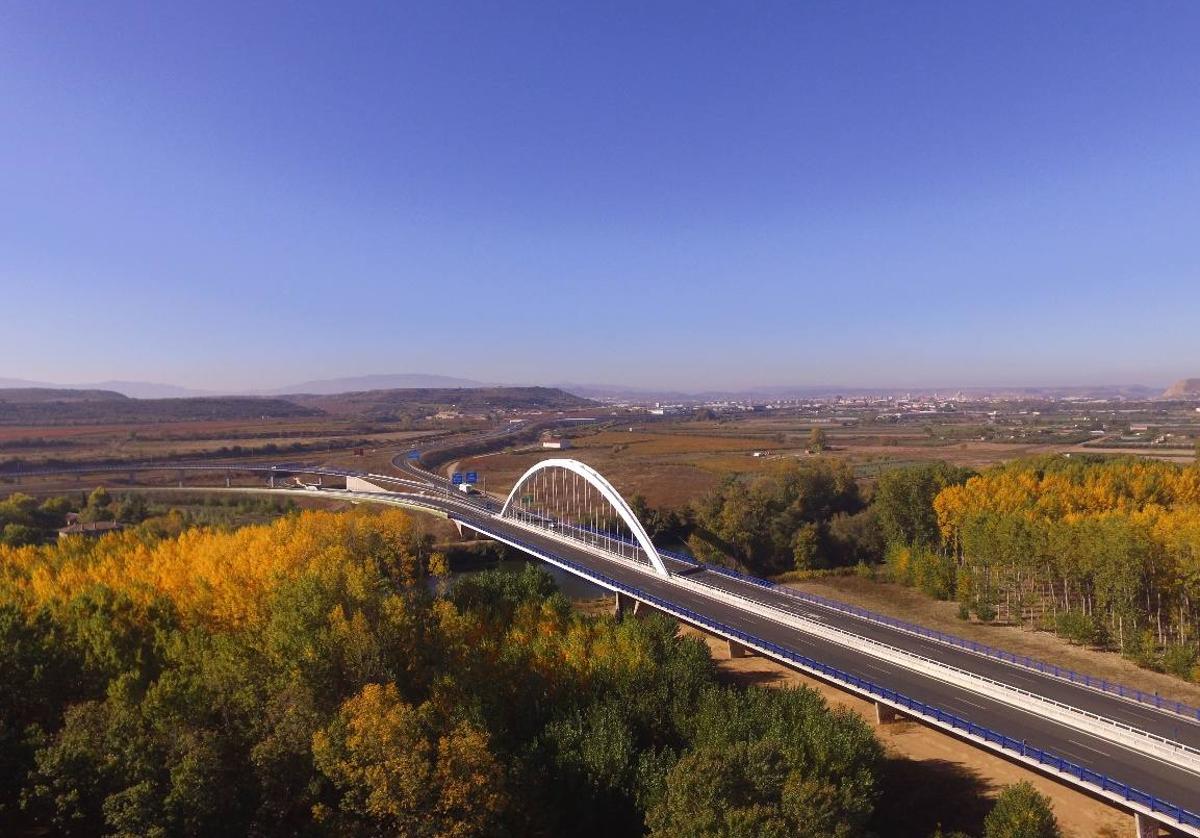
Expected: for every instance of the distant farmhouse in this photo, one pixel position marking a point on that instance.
(87, 529)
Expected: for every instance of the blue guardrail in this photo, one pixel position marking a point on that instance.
(1102, 684)
(1042, 757)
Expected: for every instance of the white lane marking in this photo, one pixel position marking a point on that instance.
(1089, 747)
(1061, 750)
(972, 703)
(876, 668)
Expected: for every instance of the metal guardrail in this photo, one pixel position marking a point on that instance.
(929, 711)
(1063, 673)
(1085, 720)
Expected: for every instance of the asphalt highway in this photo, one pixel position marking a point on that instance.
(1091, 750)
(1164, 780)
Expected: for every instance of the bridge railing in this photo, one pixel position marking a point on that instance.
(1065, 673)
(929, 711)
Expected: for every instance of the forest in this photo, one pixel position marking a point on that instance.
(802, 515)
(314, 676)
(1106, 552)
(1102, 551)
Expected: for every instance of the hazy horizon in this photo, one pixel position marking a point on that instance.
(136, 386)
(670, 196)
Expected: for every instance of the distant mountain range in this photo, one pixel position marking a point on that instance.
(59, 406)
(362, 383)
(1187, 388)
(320, 387)
(132, 389)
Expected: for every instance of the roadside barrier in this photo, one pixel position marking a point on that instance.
(1111, 787)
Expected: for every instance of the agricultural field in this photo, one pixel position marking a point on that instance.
(66, 445)
(674, 462)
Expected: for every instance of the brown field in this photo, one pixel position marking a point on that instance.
(164, 440)
(671, 463)
(674, 463)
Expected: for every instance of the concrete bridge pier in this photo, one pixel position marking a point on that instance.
(625, 604)
(737, 650)
(1145, 826)
(885, 713)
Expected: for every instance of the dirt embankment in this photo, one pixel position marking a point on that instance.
(909, 604)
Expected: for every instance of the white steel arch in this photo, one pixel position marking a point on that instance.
(610, 494)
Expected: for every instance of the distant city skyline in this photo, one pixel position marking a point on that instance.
(670, 196)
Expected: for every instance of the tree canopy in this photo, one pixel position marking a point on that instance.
(304, 677)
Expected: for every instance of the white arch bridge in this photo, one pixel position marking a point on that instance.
(574, 501)
(1138, 751)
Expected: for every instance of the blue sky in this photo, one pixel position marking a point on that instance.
(666, 194)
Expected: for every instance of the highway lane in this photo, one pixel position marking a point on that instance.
(1169, 782)
(1164, 723)
(1142, 716)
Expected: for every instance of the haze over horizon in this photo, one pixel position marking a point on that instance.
(672, 196)
(347, 384)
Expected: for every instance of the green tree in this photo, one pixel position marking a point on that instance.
(1021, 811)
(757, 522)
(99, 506)
(856, 539)
(805, 547)
(19, 535)
(816, 440)
(903, 499)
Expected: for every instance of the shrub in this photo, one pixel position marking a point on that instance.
(1021, 811)
(1179, 660)
(1077, 627)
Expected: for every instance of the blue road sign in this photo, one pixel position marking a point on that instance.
(472, 477)
(456, 478)
(414, 454)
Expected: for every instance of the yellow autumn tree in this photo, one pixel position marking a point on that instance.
(398, 767)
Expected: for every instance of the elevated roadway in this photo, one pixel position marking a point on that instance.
(1132, 753)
